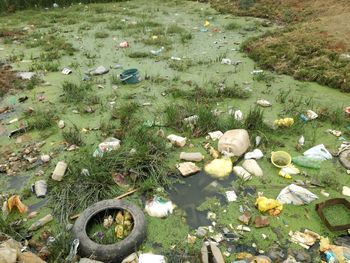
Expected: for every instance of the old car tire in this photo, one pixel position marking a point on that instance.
(344, 158)
(114, 252)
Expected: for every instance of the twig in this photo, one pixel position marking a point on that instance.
(127, 193)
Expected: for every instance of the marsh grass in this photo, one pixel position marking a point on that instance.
(45, 66)
(74, 93)
(41, 119)
(72, 135)
(185, 37)
(146, 163)
(125, 113)
(255, 119)
(101, 34)
(161, 41)
(232, 26)
(138, 54)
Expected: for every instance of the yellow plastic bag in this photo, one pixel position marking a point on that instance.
(219, 168)
(268, 205)
(15, 201)
(286, 122)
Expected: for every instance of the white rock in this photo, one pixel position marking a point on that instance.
(242, 173)
(45, 158)
(61, 124)
(177, 140)
(346, 191)
(191, 157)
(263, 103)
(216, 135)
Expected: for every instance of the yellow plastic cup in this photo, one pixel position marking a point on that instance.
(281, 159)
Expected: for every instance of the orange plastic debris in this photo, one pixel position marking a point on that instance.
(15, 201)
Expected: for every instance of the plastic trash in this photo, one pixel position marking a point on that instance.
(187, 168)
(311, 114)
(263, 103)
(242, 173)
(257, 140)
(15, 201)
(257, 71)
(252, 167)
(238, 115)
(301, 140)
(175, 58)
(318, 152)
(157, 52)
(110, 144)
(40, 188)
(59, 171)
(177, 140)
(280, 159)
(334, 254)
(226, 61)
(272, 206)
(296, 195)
(289, 170)
(191, 120)
(211, 253)
(73, 250)
(234, 142)
(124, 44)
(305, 239)
(307, 161)
(231, 196)
(286, 122)
(66, 71)
(41, 222)
(219, 168)
(255, 154)
(216, 135)
(346, 191)
(191, 157)
(100, 70)
(159, 207)
(151, 258)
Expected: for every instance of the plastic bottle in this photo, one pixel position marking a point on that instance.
(307, 162)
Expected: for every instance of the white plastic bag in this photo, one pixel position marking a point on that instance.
(319, 152)
(151, 258)
(296, 195)
(159, 207)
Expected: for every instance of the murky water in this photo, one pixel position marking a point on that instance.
(17, 182)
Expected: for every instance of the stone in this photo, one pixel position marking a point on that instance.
(61, 124)
(131, 258)
(215, 251)
(177, 140)
(29, 257)
(26, 75)
(59, 171)
(187, 168)
(346, 191)
(45, 158)
(191, 157)
(8, 255)
(261, 221)
(100, 70)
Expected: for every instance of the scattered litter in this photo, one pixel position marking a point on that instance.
(45, 158)
(234, 142)
(66, 71)
(286, 122)
(257, 140)
(41, 222)
(191, 120)
(151, 258)
(305, 239)
(243, 228)
(219, 168)
(261, 221)
(231, 196)
(324, 193)
(175, 58)
(124, 44)
(335, 132)
(344, 158)
(226, 61)
(206, 23)
(307, 161)
(311, 114)
(40, 188)
(242, 173)
(177, 140)
(157, 52)
(272, 206)
(263, 103)
(159, 207)
(341, 202)
(280, 159)
(216, 135)
(245, 218)
(346, 191)
(258, 71)
(187, 168)
(301, 140)
(191, 157)
(255, 154)
(15, 201)
(59, 171)
(110, 144)
(289, 170)
(61, 124)
(318, 152)
(211, 253)
(252, 167)
(296, 195)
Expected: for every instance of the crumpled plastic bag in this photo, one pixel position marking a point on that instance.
(305, 239)
(273, 206)
(319, 152)
(151, 258)
(159, 207)
(219, 168)
(334, 254)
(15, 201)
(107, 145)
(286, 122)
(296, 195)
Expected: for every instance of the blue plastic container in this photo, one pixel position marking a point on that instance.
(130, 76)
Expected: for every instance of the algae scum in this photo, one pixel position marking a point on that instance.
(178, 48)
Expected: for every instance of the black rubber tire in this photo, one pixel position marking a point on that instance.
(344, 158)
(114, 252)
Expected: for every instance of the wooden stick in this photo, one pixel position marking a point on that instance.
(127, 193)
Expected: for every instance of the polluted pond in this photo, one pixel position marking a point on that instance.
(138, 131)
